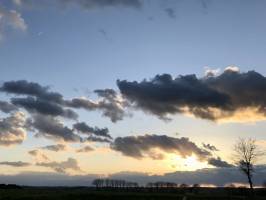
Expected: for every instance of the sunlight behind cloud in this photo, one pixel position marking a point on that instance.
(190, 163)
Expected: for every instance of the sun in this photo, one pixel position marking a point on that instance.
(190, 163)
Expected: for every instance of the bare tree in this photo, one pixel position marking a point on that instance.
(246, 156)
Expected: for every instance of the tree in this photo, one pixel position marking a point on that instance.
(246, 156)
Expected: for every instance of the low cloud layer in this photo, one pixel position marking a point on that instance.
(15, 163)
(217, 98)
(62, 167)
(217, 176)
(56, 148)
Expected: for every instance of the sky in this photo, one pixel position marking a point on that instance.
(129, 88)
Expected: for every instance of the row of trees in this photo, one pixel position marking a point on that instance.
(113, 183)
(162, 184)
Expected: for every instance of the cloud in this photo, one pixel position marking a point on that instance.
(56, 148)
(85, 149)
(23, 87)
(38, 155)
(12, 129)
(52, 128)
(97, 139)
(170, 12)
(209, 147)
(11, 18)
(15, 164)
(217, 162)
(144, 146)
(211, 72)
(7, 107)
(62, 167)
(38, 98)
(86, 129)
(41, 106)
(85, 4)
(111, 104)
(230, 97)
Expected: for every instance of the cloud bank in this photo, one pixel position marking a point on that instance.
(230, 96)
(141, 146)
(216, 176)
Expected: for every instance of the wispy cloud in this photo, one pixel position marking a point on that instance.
(10, 18)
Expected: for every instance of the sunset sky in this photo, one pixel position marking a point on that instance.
(129, 88)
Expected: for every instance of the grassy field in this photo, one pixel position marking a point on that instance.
(30, 193)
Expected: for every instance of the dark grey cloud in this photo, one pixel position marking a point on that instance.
(213, 97)
(38, 98)
(110, 104)
(42, 106)
(217, 162)
(170, 12)
(85, 149)
(89, 4)
(52, 128)
(85, 4)
(15, 163)
(56, 148)
(23, 87)
(92, 138)
(61, 167)
(7, 107)
(142, 146)
(209, 147)
(82, 127)
(13, 129)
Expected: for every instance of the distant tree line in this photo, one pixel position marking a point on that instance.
(114, 183)
(161, 184)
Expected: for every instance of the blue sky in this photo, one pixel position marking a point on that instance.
(76, 49)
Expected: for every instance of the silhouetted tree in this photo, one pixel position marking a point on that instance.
(246, 155)
(97, 183)
(183, 185)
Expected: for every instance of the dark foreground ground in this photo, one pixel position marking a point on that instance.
(82, 193)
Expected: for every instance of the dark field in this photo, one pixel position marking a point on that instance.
(64, 193)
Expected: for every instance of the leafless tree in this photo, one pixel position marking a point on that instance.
(246, 155)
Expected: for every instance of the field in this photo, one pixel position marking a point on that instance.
(81, 193)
